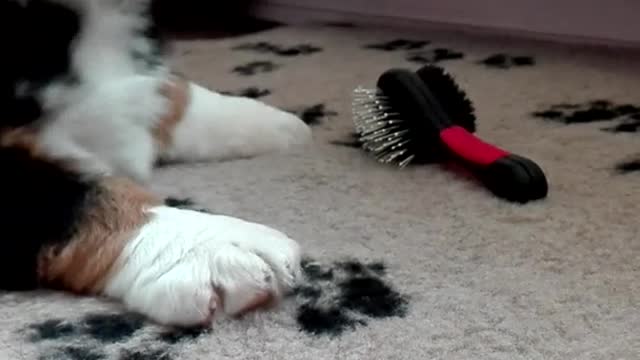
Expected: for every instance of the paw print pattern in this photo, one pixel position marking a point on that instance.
(629, 166)
(250, 92)
(314, 114)
(344, 295)
(504, 61)
(625, 119)
(415, 51)
(627, 116)
(398, 44)
(255, 67)
(264, 47)
(332, 298)
(105, 328)
(434, 56)
(353, 141)
(184, 203)
(340, 24)
(87, 337)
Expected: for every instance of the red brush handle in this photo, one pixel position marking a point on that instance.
(468, 147)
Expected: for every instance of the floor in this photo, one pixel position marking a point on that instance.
(419, 263)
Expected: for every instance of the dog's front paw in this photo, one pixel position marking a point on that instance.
(184, 266)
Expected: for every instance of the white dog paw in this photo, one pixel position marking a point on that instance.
(184, 266)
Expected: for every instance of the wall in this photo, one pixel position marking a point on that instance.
(617, 22)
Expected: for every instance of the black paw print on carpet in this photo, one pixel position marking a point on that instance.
(340, 24)
(398, 44)
(434, 56)
(314, 114)
(627, 116)
(250, 92)
(353, 141)
(629, 166)
(416, 52)
(184, 203)
(625, 119)
(264, 47)
(334, 298)
(85, 338)
(504, 61)
(255, 67)
(344, 295)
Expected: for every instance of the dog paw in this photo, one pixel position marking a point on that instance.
(184, 267)
(219, 127)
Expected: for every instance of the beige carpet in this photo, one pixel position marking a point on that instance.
(446, 270)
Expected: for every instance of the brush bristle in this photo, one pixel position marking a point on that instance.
(390, 137)
(451, 97)
(380, 129)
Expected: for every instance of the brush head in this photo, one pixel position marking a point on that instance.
(399, 122)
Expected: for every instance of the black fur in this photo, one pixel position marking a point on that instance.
(36, 43)
(35, 40)
(40, 205)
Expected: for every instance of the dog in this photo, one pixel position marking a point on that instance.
(91, 106)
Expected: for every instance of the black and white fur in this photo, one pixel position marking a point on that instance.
(87, 73)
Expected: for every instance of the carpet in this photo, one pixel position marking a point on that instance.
(411, 264)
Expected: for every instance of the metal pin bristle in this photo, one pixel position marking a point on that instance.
(379, 127)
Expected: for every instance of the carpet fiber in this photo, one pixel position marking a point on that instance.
(411, 264)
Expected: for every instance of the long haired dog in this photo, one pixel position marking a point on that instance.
(88, 107)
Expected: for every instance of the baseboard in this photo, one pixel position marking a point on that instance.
(301, 14)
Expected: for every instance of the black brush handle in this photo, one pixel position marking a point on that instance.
(515, 178)
(507, 175)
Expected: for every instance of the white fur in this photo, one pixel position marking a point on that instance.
(184, 265)
(105, 122)
(109, 127)
(220, 127)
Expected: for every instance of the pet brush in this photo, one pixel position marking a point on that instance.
(424, 117)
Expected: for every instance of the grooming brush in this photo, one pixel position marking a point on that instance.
(424, 117)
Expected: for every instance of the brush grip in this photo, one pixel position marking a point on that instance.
(470, 148)
(508, 176)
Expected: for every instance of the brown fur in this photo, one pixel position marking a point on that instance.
(23, 138)
(178, 94)
(113, 213)
(116, 212)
